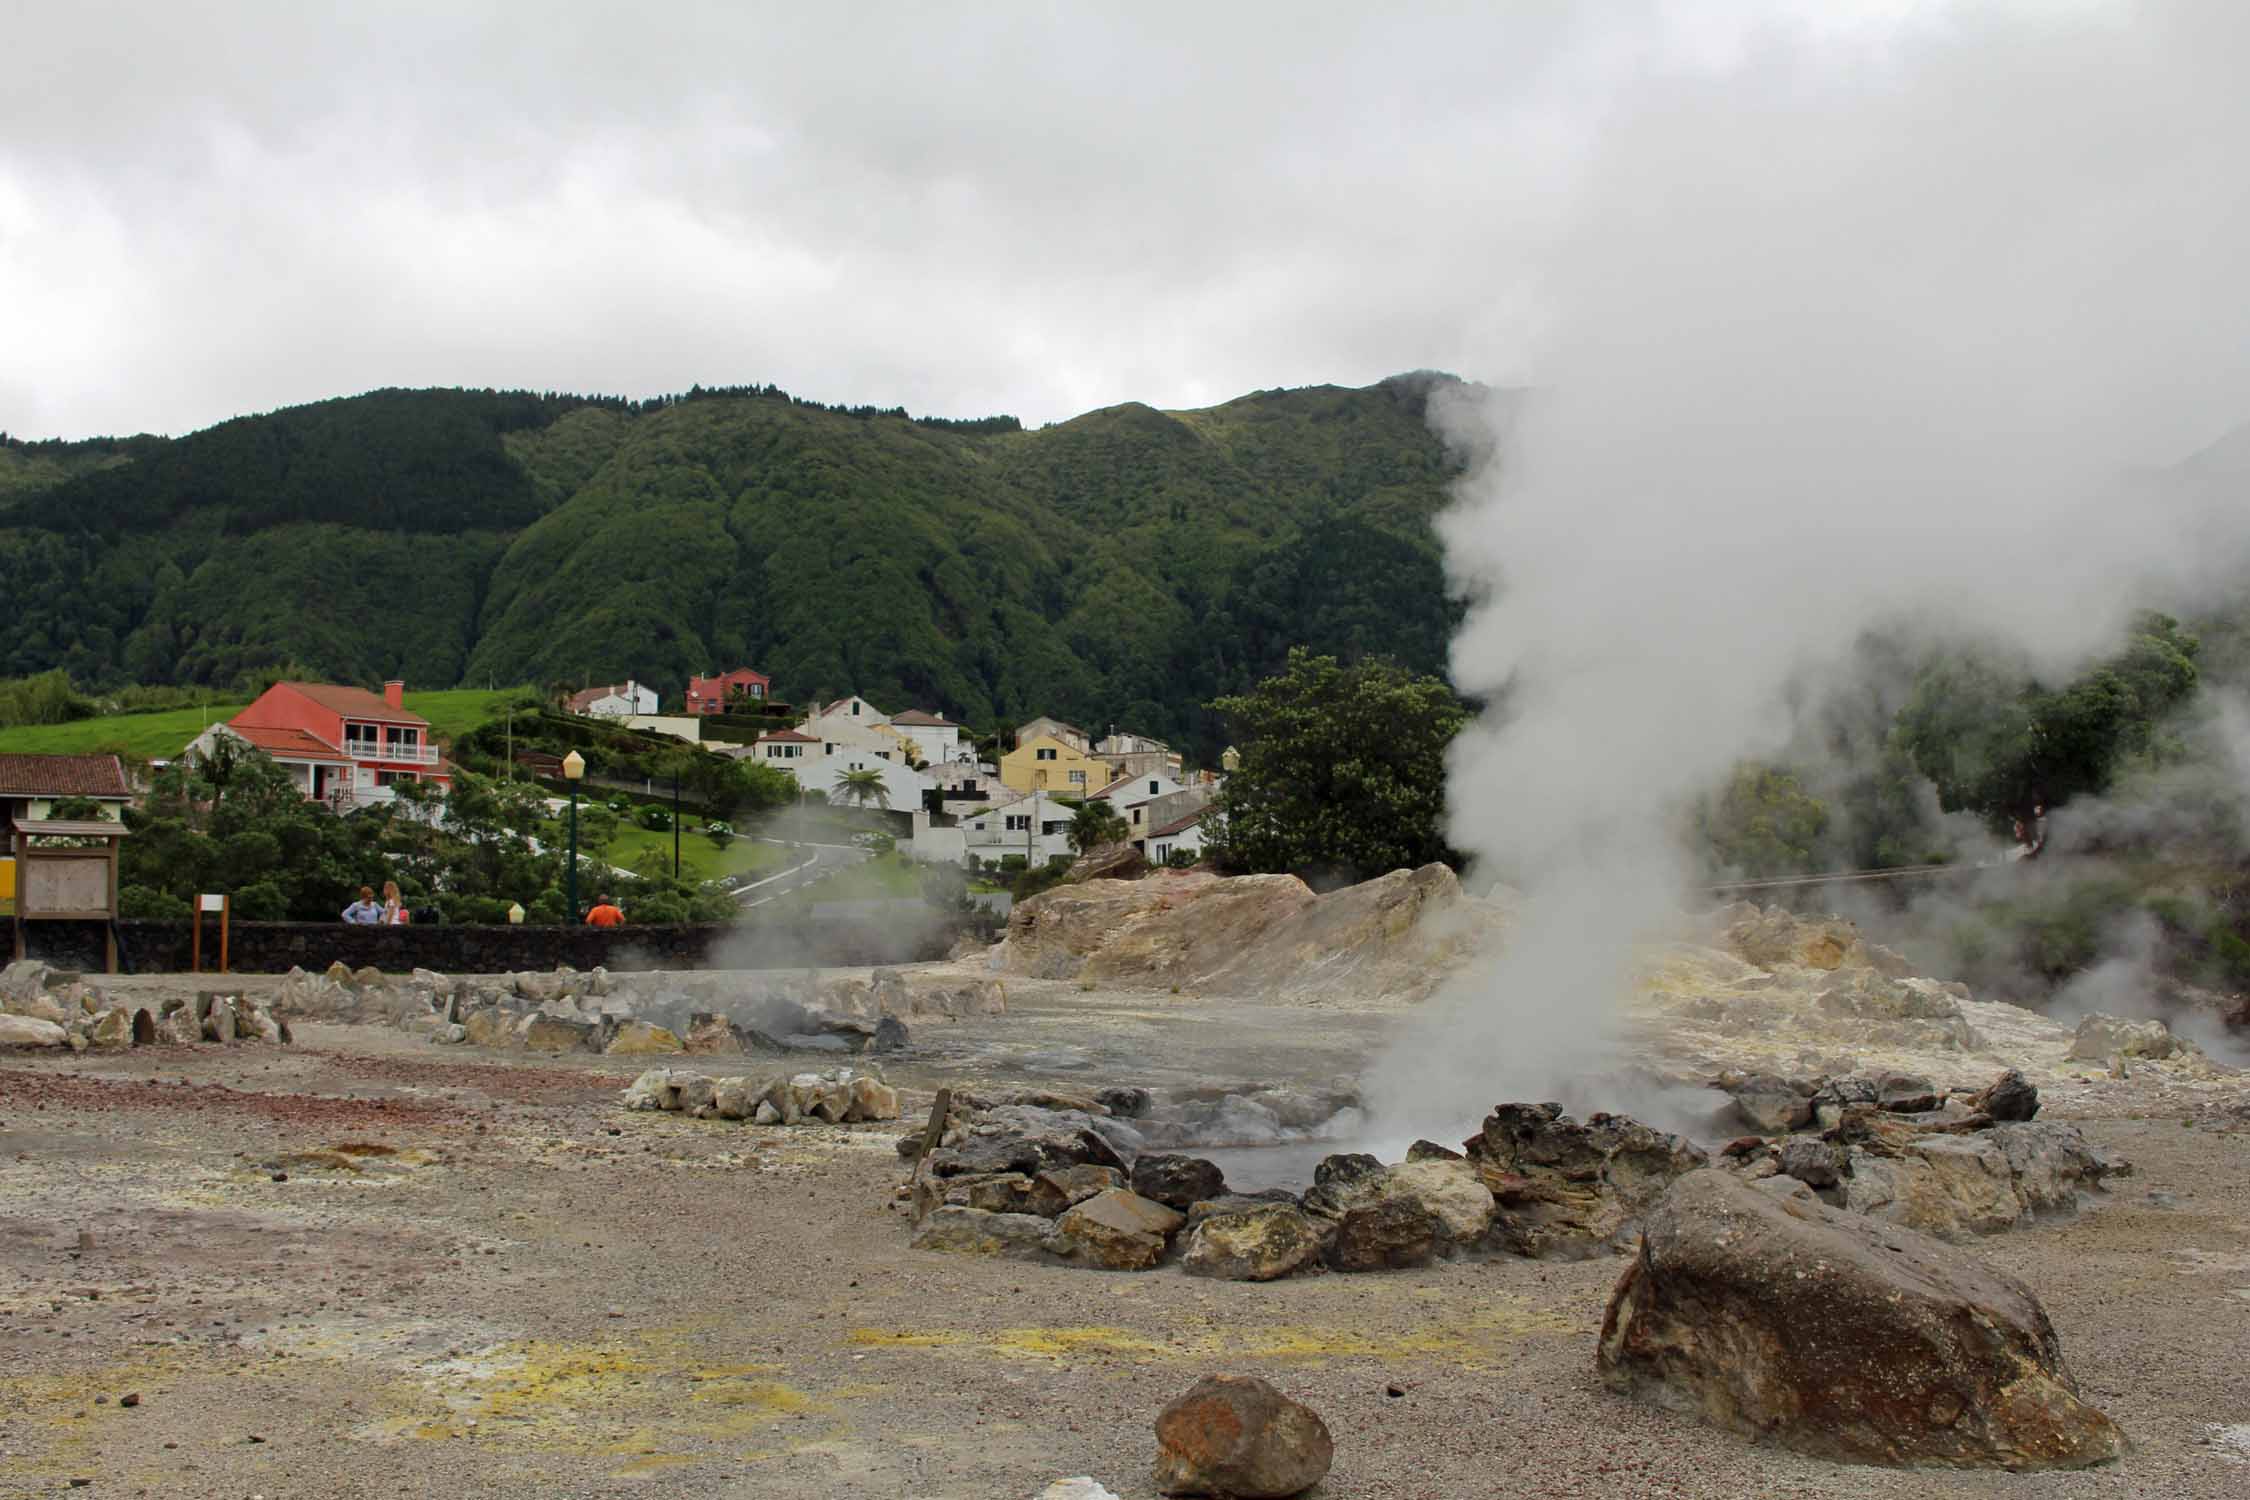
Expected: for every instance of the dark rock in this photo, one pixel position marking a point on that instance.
(1387, 1235)
(1567, 1190)
(2009, 1097)
(1770, 1105)
(1077, 1184)
(1841, 1337)
(1432, 1151)
(1343, 1181)
(1125, 1103)
(1178, 1182)
(1813, 1162)
(1907, 1094)
(1234, 1436)
(1259, 1242)
(1240, 1203)
(890, 1036)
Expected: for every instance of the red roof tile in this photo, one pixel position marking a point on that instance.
(62, 776)
(289, 744)
(1177, 825)
(916, 717)
(788, 736)
(354, 703)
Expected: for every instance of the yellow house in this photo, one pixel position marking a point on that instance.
(1045, 763)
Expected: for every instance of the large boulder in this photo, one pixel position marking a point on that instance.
(1841, 1337)
(2009, 1097)
(642, 1039)
(1451, 1191)
(1178, 1182)
(1566, 1190)
(1769, 1105)
(1262, 1242)
(1115, 1231)
(2104, 1038)
(1389, 1234)
(545, 1033)
(31, 1031)
(1236, 1437)
(972, 1231)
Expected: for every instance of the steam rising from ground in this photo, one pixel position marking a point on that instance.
(1863, 331)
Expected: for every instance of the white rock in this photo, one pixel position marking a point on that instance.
(30, 1031)
(1081, 1488)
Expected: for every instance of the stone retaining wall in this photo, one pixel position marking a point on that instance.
(276, 947)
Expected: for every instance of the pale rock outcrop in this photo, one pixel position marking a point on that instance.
(2104, 1038)
(31, 1031)
(1778, 1317)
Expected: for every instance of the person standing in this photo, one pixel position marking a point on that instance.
(606, 913)
(395, 913)
(364, 912)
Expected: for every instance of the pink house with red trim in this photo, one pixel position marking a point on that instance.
(344, 746)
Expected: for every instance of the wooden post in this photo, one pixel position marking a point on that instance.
(932, 1133)
(226, 909)
(195, 938)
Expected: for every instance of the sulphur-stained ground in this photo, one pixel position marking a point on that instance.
(480, 1277)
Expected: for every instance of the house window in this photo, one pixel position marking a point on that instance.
(1018, 822)
(1050, 828)
(855, 708)
(1043, 753)
(1152, 788)
(389, 778)
(1136, 817)
(1078, 778)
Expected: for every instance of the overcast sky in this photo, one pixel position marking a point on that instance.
(212, 210)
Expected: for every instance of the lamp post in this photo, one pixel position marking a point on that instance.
(574, 768)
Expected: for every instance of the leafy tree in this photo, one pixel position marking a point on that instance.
(1995, 741)
(863, 788)
(1763, 823)
(1095, 824)
(1343, 770)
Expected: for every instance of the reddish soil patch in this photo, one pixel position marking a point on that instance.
(498, 1081)
(78, 1095)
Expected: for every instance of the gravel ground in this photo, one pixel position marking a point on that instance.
(481, 1278)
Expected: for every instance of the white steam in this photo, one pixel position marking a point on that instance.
(1845, 334)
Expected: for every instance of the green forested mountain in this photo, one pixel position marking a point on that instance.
(1127, 565)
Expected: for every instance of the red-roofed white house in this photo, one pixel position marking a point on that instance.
(938, 737)
(344, 746)
(710, 695)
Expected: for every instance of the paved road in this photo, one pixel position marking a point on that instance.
(807, 863)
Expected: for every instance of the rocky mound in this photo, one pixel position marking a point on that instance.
(1392, 938)
(41, 1006)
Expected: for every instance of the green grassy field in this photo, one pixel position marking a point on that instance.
(159, 736)
(699, 860)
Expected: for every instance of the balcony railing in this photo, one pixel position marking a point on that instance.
(402, 755)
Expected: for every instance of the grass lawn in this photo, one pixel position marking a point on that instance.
(869, 880)
(160, 736)
(698, 859)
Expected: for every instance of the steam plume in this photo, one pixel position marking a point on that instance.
(1847, 332)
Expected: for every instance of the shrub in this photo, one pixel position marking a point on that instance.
(654, 818)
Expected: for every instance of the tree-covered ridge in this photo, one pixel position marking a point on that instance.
(1129, 565)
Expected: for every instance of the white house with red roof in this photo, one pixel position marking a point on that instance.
(710, 695)
(1131, 796)
(343, 746)
(616, 700)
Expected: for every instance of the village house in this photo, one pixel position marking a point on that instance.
(343, 746)
(1181, 835)
(1035, 827)
(30, 786)
(1131, 795)
(614, 701)
(711, 695)
(937, 738)
(1069, 734)
(1135, 754)
(1047, 762)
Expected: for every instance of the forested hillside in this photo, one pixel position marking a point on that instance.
(1127, 565)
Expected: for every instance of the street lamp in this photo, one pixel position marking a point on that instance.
(574, 769)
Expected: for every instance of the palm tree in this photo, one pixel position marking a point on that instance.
(1096, 824)
(862, 788)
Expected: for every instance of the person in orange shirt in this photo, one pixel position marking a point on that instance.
(606, 913)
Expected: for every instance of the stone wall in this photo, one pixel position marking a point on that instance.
(276, 947)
